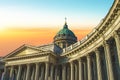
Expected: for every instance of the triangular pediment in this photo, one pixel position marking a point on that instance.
(24, 51)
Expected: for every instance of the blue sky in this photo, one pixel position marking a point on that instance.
(51, 13)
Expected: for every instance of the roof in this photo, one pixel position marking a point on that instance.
(51, 47)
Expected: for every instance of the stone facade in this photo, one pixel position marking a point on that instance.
(96, 57)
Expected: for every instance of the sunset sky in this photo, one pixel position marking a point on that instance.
(36, 22)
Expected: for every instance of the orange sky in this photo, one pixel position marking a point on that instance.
(11, 39)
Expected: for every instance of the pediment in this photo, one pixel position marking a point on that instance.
(24, 51)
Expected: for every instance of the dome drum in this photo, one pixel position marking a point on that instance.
(69, 38)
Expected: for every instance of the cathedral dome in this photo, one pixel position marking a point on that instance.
(65, 37)
(66, 31)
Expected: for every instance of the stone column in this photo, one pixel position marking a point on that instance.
(11, 72)
(28, 72)
(19, 72)
(76, 72)
(56, 70)
(5, 74)
(72, 70)
(42, 77)
(24, 72)
(80, 69)
(63, 72)
(37, 71)
(33, 73)
(68, 72)
(117, 40)
(89, 67)
(99, 68)
(94, 67)
(108, 61)
(52, 70)
(85, 70)
(46, 70)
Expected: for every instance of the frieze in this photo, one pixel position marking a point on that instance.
(52, 60)
(25, 61)
(108, 32)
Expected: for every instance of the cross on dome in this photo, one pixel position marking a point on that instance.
(65, 20)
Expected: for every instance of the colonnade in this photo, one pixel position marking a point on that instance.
(36, 71)
(103, 63)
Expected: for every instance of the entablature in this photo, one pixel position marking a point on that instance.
(34, 58)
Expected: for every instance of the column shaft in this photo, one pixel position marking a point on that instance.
(80, 69)
(46, 71)
(117, 40)
(109, 61)
(56, 70)
(85, 70)
(99, 68)
(24, 73)
(72, 70)
(5, 75)
(37, 71)
(63, 72)
(76, 72)
(89, 68)
(42, 77)
(28, 72)
(52, 70)
(19, 72)
(33, 73)
(11, 73)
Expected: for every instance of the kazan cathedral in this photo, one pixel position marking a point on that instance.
(95, 57)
